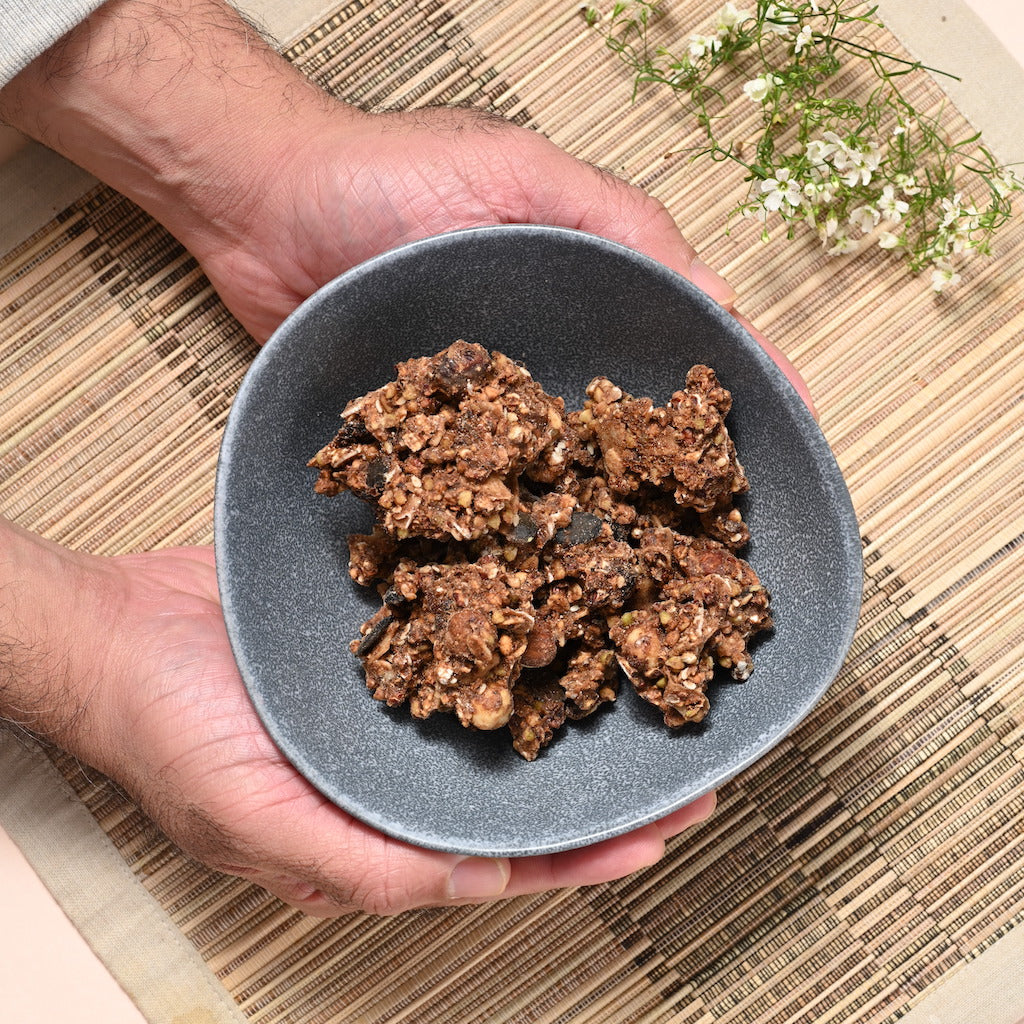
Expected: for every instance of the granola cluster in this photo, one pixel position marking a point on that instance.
(525, 554)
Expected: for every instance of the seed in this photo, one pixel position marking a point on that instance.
(465, 498)
(627, 619)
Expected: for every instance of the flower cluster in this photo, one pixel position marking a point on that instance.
(856, 171)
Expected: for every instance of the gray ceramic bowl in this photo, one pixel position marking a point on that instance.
(570, 307)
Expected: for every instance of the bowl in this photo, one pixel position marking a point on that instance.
(570, 306)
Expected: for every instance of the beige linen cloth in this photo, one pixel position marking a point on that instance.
(869, 869)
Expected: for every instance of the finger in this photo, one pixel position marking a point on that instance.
(713, 284)
(686, 817)
(782, 361)
(635, 218)
(608, 860)
(369, 872)
(630, 216)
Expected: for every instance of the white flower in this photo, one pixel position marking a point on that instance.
(757, 89)
(907, 184)
(835, 150)
(961, 227)
(864, 218)
(842, 244)
(755, 211)
(819, 152)
(729, 17)
(1005, 183)
(701, 45)
(859, 165)
(803, 38)
(892, 209)
(779, 20)
(781, 190)
(825, 191)
(952, 210)
(826, 183)
(827, 228)
(943, 276)
(871, 157)
(887, 240)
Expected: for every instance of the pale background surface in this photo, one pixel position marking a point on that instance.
(48, 974)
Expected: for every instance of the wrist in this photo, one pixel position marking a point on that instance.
(54, 643)
(179, 105)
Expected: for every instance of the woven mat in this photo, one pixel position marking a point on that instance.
(874, 852)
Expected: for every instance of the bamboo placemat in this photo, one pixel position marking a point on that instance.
(873, 853)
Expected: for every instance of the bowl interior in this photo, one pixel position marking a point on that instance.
(570, 307)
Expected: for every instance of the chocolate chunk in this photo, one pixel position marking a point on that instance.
(394, 598)
(525, 531)
(583, 528)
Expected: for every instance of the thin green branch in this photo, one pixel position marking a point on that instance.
(855, 170)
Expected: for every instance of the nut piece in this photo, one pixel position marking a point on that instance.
(453, 645)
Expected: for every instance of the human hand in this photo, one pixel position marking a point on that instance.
(191, 750)
(340, 186)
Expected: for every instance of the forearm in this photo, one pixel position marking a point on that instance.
(171, 103)
(53, 603)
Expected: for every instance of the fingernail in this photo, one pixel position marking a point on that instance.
(478, 878)
(714, 284)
